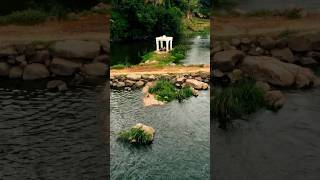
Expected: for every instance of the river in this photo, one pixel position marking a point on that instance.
(276, 4)
(181, 146)
(131, 52)
(272, 146)
(52, 135)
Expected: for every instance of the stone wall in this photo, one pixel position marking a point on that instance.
(34, 61)
(285, 61)
(198, 81)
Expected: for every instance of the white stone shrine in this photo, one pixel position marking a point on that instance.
(160, 43)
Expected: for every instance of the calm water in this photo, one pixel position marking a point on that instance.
(181, 147)
(131, 52)
(52, 135)
(273, 146)
(276, 4)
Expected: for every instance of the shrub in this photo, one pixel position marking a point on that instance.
(240, 98)
(166, 91)
(135, 135)
(25, 17)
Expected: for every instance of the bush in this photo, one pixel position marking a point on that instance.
(25, 17)
(135, 135)
(166, 91)
(241, 98)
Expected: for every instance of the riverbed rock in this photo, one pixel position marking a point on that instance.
(120, 84)
(95, 69)
(139, 84)
(35, 71)
(314, 55)
(284, 54)
(21, 60)
(76, 49)
(263, 85)
(275, 72)
(129, 82)
(198, 85)
(16, 72)
(299, 44)
(4, 69)
(226, 60)
(102, 58)
(57, 84)
(40, 57)
(64, 67)
(308, 62)
(267, 42)
(134, 77)
(150, 99)
(8, 51)
(146, 129)
(275, 99)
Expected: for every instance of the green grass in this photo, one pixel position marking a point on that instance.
(239, 99)
(167, 92)
(135, 135)
(25, 17)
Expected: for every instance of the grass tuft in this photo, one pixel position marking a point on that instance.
(135, 135)
(240, 98)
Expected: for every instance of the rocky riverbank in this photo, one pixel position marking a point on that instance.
(33, 61)
(199, 80)
(277, 62)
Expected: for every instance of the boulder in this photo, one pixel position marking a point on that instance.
(314, 55)
(64, 67)
(282, 43)
(146, 129)
(198, 85)
(40, 57)
(76, 49)
(227, 60)
(120, 84)
(102, 59)
(35, 71)
(256, 51)
(4, 69)
(134, 77)
(275, 99)
(21, 60)
(95, 69)
(139, 84)
(299, 44)
(235, 42)
(263, 85)
(57, 84)
(284, 54)
(308, 62)
(267, 42)
(16, 72)
(130, 82)
(8, 51)
(275, 72)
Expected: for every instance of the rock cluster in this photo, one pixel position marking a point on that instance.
(199, 81)
(61, 58)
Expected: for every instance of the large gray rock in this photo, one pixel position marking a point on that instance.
(64, 67)
(284, 54)
(16, 72)
(267, 42)
(299, 44)
(278, 73)
(226, 60)
(76, 49)
(95, 69)
(4, 69)
(35, 71)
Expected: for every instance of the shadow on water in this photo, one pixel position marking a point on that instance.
(52, 135)
(272, 145)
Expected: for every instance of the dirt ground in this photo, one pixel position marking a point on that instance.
(159, 70)
(93, 27)
(224, 27)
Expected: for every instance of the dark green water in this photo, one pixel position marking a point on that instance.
(181, 149)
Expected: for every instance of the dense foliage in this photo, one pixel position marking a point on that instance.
(135, 135)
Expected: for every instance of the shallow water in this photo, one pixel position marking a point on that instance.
(52, 135)
(181, 146)
(272, 146)
(199, 52)
(276, 4)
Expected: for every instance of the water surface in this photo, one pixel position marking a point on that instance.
(272, 146)
(181, 147)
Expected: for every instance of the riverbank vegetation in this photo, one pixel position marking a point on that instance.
(167, 92)
(235, 101)
(135, 135)
(31, 12)
(141, 19)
